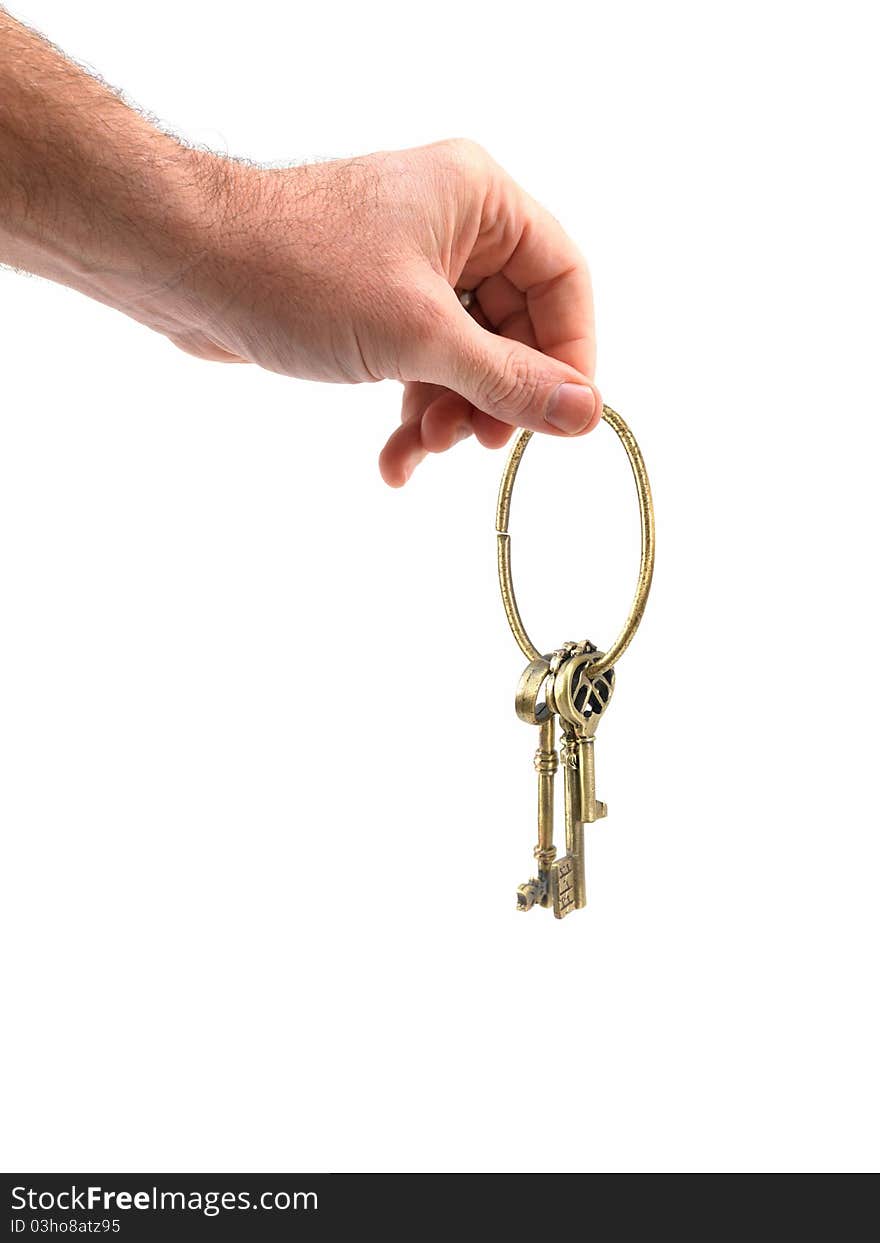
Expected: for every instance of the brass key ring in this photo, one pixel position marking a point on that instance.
(646, 567)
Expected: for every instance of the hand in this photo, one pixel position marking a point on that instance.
(344, 271)
(347, 272)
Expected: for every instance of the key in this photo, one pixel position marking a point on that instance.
(568, 890)
(532, 709)
(536, 890)
(580, 700)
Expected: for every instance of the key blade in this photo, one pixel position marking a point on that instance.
(563, 886)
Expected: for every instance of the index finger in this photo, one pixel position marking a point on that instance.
(550, 271)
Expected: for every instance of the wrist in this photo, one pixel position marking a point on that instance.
(200, 255)
(153, 234)
(239, 256)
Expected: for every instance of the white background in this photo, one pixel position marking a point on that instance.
(264, 798)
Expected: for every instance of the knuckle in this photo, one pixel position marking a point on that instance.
(465, 152)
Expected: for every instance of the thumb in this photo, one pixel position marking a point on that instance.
(510, 381)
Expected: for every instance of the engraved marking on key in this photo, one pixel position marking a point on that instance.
(563, 887)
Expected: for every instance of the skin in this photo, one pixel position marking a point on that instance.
(344, 272)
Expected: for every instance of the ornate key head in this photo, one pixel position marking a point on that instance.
(581, 699)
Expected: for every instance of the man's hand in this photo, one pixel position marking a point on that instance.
(342, 272)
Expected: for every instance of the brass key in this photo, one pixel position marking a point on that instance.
(568, 889)
(533, 710)
(580, 698)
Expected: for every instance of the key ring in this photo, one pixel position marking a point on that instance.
(646, 566)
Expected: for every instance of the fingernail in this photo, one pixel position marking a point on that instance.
(571, 408)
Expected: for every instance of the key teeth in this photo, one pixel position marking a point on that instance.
(529, 894)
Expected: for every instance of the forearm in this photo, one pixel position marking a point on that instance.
(91, 194)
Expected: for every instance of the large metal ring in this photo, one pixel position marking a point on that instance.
(646, 567)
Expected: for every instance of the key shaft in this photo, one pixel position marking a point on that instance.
(589, 810)
(568, 884)
(546, 764)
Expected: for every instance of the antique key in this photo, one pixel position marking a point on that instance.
(535, 711)
(581, 699)
(575, 684)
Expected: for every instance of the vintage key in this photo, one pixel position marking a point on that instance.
(535, 711)
(567, 877)
(580, 700)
